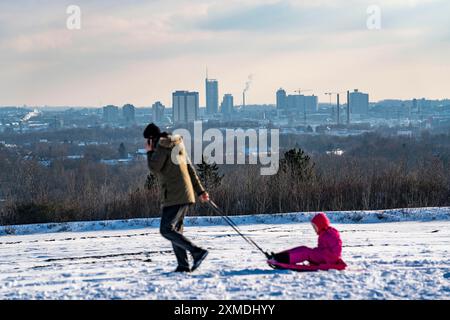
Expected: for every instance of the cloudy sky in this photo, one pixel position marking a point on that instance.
(140, 51)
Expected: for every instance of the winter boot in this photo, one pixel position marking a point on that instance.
(198, 258)
(182, 269)
(282, 257)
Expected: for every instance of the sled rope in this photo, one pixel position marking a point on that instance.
(232, 224)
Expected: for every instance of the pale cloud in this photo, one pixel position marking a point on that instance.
(139, 51)
(44, 41)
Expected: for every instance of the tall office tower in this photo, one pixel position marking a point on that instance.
(158, 112)
(227, 106)
(281, 99)
(184, 106)
(128, 113)
(212, 96)
(359, 102)
(110, 113)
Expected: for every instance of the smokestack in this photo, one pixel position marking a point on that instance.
(338, 109)
(243, 99)
(348, 107)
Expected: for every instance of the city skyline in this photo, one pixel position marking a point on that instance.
(140, 53)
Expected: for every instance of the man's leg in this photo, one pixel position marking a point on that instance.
(171, 218)
(180, 253)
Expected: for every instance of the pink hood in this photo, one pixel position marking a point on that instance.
(321, 221)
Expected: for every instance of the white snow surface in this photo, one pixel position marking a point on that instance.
(392, 254)
(369, 216)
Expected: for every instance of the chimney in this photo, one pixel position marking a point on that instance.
(348, 107)
(338, 109)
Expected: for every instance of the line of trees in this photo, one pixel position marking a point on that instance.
(411, 175)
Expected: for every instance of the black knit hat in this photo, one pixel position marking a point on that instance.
(152, 131)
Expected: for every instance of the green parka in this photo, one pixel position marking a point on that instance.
(176, 175)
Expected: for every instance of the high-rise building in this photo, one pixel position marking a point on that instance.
(302, 103)
(158, 112)
(184, 106)
(110, 113)
(311, 103)
(359, 102)
(227, 106)
(281, 99)
(128, 113)
(212, 96)
(293, 101)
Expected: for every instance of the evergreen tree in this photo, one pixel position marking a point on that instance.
(209, 174)
(298, 163)
(122, 151)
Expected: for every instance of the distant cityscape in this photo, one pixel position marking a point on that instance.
(296, 112)
(110, 135)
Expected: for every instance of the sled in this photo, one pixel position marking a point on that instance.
(340, 265)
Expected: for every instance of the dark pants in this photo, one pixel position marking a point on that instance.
(171, 228)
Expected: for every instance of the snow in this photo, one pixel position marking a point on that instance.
(369, 216)
(406, 258)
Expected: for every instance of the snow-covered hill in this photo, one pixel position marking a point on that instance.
(407, 258)
(370, 216)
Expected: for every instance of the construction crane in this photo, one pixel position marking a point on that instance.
(299, 91)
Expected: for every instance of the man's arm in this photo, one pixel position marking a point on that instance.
(198, 187)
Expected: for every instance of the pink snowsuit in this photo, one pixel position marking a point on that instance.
(329, 247)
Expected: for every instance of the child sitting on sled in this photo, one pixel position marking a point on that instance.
(327, 255)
